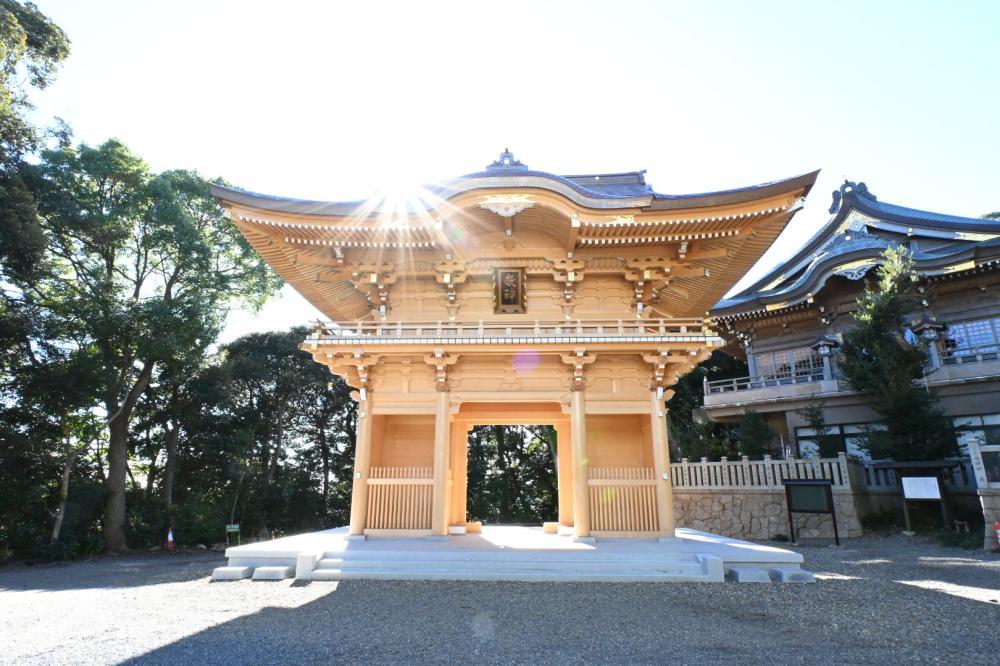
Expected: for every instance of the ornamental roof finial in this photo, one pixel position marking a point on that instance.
(847, 188)
(507, 162)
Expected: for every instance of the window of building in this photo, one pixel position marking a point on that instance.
(801, 364)
(984, 430)
(967, 338)
(850, 438)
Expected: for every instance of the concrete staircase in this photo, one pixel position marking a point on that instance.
(511, 566)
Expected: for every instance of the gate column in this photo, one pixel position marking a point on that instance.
(442, 441)
(564, 464)
(661, 464)
(362, 458)
(581, 496)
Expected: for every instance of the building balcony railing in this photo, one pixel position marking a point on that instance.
(963, 355)
(578, 330)
(801, 375)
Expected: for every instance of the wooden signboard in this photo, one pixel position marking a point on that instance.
(923, 489)
(810, 496)
(508, 291)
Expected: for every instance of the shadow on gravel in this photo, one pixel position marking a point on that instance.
(129, 570)
(424, 622)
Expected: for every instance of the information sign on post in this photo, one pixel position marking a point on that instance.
(810, 496)
(233, 529)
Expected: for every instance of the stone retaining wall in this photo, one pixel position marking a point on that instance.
(989, 498)
(759, 514)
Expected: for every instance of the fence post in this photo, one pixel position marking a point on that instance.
(745, 471)
(686, 471)
(768, 471)
(845, 476)
(724, 471)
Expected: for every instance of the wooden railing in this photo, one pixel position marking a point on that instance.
(622, 499)
(763, 474)
(387, 332)
(400, 498)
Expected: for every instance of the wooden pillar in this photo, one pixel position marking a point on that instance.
(442, 437)
(581, 495)
(459, 473)
(362, 459)
(661, 465)
(564, 464)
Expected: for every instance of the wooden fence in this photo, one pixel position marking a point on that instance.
(767, 474)
(622, 499)
(400, 498)
(763, 474)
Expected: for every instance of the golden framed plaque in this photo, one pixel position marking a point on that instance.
(508, 291)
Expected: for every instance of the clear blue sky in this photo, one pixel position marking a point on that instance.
(330, 100)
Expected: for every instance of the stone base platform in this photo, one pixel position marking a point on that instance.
(513, 553)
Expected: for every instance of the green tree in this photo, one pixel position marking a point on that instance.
(692, 434)
(876, 360)
(756, 436)
(815, 419)
(31, 49)
(144, 269)
(512, 474)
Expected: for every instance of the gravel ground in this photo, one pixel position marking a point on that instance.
(879, 600)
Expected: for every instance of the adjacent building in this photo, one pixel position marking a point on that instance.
(789, 323)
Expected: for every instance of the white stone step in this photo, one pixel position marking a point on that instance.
(674, 567)
(272, 573)
(493, 574)
(501, 556)
(232, 573)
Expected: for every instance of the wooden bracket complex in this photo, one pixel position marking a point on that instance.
(578, 359)
(440, 361)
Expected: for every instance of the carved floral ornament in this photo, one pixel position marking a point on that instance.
(506, 205)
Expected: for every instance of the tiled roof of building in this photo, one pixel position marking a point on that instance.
(854, 240)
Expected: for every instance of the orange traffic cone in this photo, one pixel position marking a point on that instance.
(170, 538)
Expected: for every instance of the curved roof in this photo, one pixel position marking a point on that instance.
(605, 219)
(598, 191)
(854, 240)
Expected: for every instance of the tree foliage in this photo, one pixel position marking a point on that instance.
(512, 474)
(876, 360)
(692, 434)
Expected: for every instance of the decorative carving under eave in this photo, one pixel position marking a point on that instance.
(648, 276)
(506, 205)
(354, 367)
(578, 360)
(440, 361)
(569, 272)
(668, 367)
(373, 281)
(450, 273)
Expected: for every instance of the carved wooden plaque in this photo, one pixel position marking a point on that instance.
(508, 291)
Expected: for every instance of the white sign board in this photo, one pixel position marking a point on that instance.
(921, 487)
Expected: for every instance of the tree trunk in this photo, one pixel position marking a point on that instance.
(114, 506)
(118, 427)
(63, 496)
(324, 448)
(169, 468)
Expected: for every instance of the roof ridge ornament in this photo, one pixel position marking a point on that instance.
(849, 187)
(507, 162)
